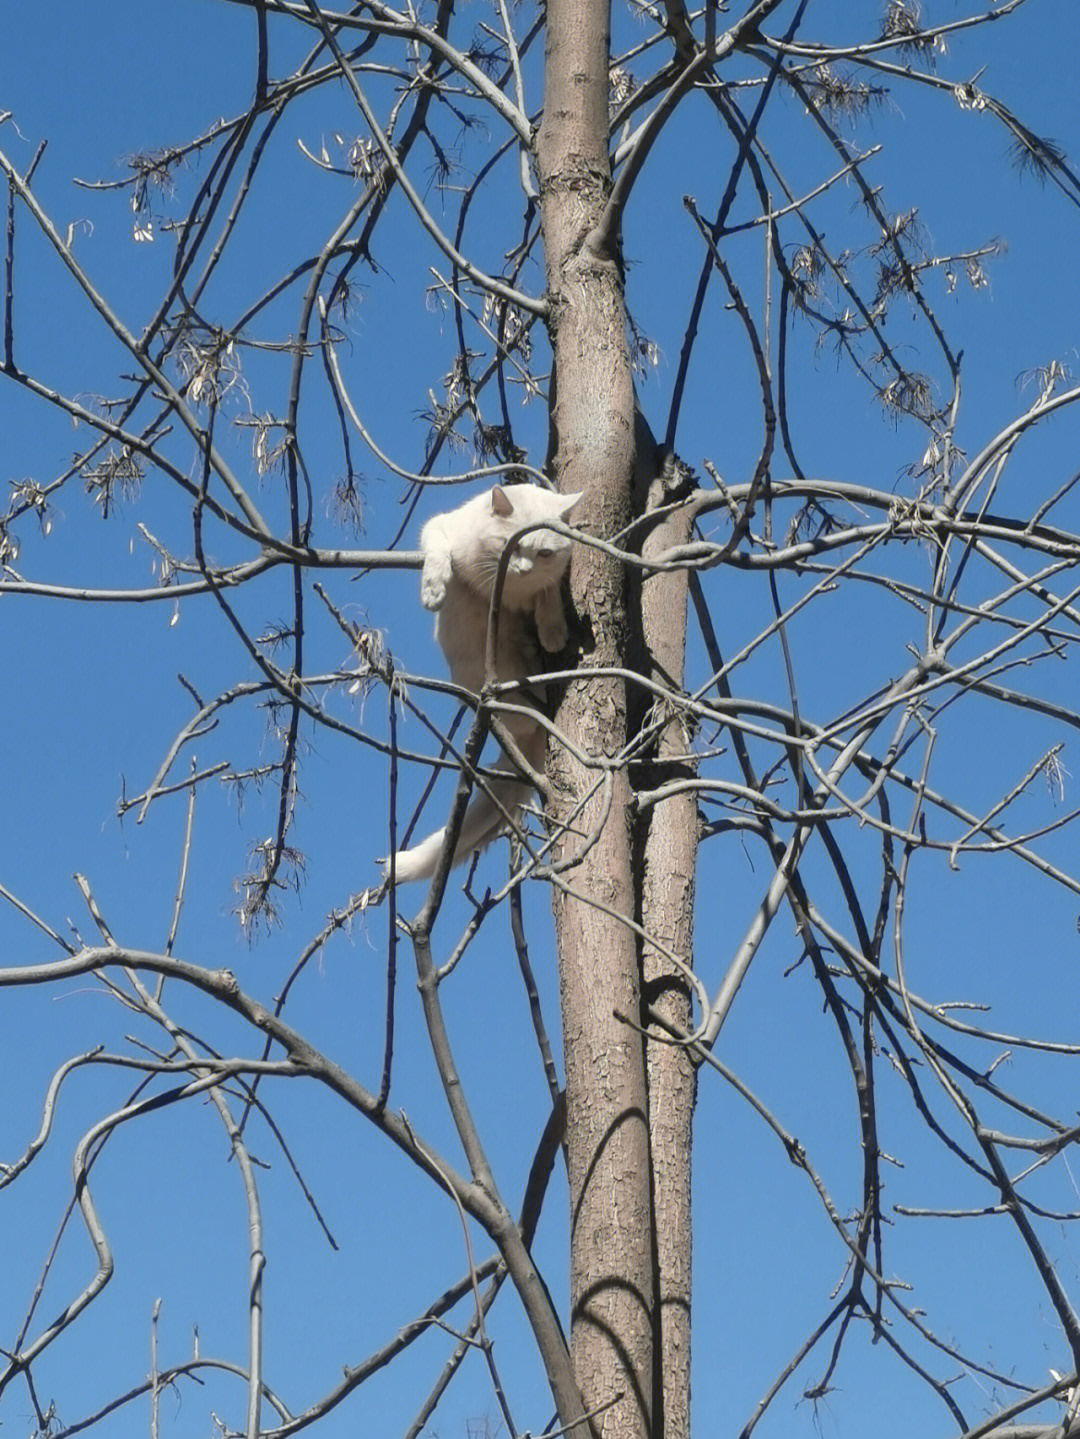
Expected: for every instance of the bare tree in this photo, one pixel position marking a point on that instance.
(847, 690)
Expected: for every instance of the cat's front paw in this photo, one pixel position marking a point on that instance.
(551, 627)
(436, 577)
(432, 593)
(553, 634)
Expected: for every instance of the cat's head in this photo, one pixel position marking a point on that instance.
(540, 557)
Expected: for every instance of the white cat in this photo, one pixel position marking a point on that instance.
(462, 550)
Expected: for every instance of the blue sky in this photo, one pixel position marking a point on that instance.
(91, 703)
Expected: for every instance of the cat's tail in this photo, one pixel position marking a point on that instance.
(485, 819)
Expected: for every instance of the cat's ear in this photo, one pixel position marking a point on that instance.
(500, 502)
(570, 503)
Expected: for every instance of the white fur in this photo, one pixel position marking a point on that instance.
(462, 550)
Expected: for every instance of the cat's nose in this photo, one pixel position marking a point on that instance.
(524, 564)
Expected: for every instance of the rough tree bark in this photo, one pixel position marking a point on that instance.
(666, 864)
(593, 448)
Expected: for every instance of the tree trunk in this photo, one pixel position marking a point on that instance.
(668, 857)
(593, 450)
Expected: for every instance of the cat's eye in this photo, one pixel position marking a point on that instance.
(544, 554)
